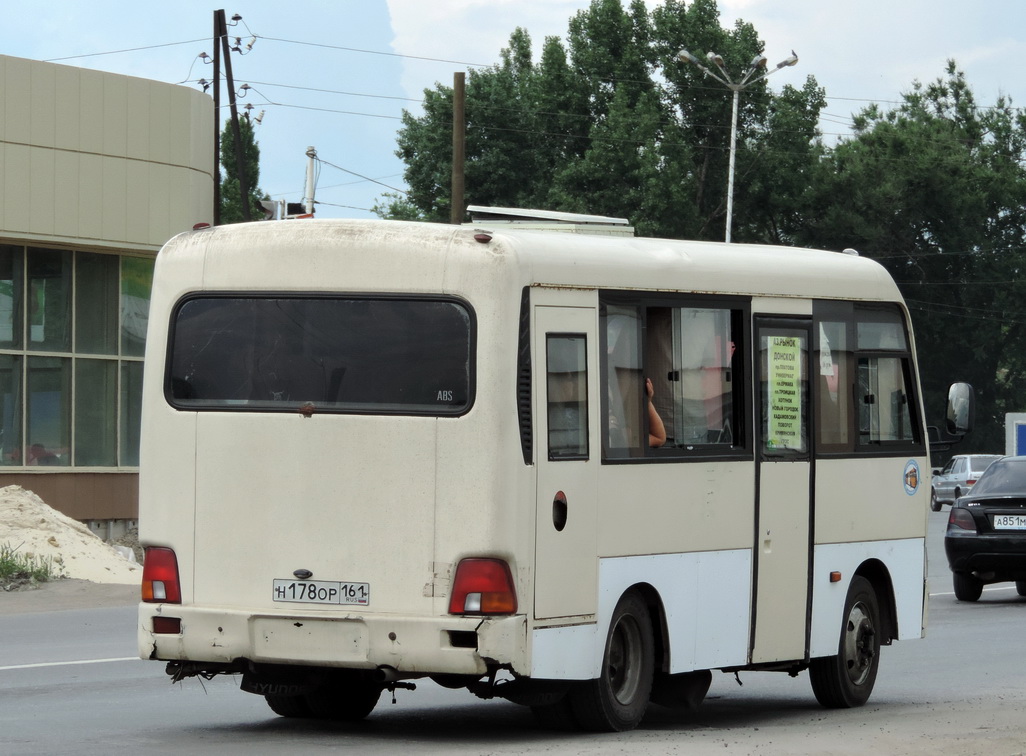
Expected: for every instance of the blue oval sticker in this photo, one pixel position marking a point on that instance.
(912, 477)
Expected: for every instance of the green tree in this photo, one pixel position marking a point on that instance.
(777, 136)
(613, 123)
(231, 195)
(519, 127)
(935, 190)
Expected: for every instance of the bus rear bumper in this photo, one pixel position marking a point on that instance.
(410, 646)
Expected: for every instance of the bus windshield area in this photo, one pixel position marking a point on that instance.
(384, 355)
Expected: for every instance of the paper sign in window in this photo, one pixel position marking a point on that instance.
(784, 424)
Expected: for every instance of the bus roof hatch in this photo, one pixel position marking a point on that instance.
(549, 220)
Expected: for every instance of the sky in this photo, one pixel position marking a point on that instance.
(337, 74)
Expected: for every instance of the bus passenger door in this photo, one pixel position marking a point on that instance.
(780, 627)
(566, 412)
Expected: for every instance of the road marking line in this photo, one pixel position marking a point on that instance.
(61, 664)
(985, 590)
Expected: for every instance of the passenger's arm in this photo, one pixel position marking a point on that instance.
(656, 429)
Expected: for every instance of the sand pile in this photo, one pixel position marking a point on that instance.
(34, 529)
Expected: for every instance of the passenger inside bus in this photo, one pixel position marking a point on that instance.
(656, 430)
(681, 358)
(624, 384)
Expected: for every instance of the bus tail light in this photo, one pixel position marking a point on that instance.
(160, 580)
(483, 586)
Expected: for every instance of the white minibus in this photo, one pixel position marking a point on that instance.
(545, 461)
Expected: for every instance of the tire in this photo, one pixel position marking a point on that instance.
(847, 679)
(934, 504)
(967, 588)
(349, 702)
(616, 701)
(289, 706)
(1020, 587)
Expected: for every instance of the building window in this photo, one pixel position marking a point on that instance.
(49, 297)
(72, 335)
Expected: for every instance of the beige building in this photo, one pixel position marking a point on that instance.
(97, 171)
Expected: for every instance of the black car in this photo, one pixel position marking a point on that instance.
(986, 537)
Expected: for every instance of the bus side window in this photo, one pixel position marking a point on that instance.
(833, 365)
(885, 395)
(684, 358)
(703, 387)
(567, 395)
(884, 413)
(624, 384)
(659, 365)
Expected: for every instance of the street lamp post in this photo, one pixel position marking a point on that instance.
(756, 72)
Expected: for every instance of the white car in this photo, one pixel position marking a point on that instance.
(958, 477)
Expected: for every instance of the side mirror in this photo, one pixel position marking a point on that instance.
(961, 409)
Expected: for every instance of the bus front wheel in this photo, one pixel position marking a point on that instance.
(617, 699)
(846, 680)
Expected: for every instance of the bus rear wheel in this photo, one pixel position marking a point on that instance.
(289, 706)
(846, 680)
(348, 702)
(617, 699)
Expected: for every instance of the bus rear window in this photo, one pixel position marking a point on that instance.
(353, 355)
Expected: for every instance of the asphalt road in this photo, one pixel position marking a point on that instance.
(69, 682)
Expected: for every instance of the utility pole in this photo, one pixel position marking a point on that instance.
(459, 132)
(217, 122)
(221, 36)
(311, 155)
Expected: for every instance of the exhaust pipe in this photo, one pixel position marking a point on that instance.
(387, 675)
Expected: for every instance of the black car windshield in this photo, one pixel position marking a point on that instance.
(1006, 477)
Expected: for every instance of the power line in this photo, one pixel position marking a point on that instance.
(840, 120)
(126, 50)
(371, 52)
(335, 91)
(694, 86)
(364, 51)
(519, 111)
(347, 207)
(354, 183)
(360, 175)
(962, 312)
